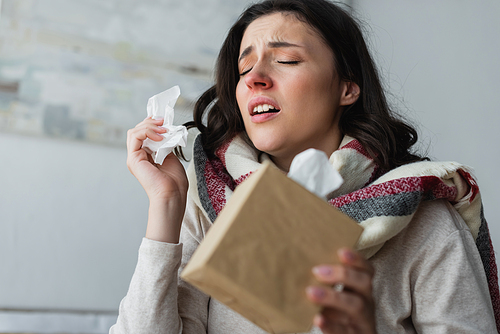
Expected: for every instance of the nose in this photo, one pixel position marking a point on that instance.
(258, 78)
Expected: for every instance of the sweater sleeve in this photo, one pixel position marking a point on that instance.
(450, 292)
(158, 301)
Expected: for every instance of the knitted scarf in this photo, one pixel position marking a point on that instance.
(383, 203)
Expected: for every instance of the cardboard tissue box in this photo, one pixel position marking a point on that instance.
(258, 256)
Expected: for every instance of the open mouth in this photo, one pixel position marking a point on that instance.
(264, 109)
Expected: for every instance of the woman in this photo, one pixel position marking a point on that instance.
(291, 75)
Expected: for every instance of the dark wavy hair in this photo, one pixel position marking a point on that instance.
(387, 138)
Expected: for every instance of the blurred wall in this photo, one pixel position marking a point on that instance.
(72, 217)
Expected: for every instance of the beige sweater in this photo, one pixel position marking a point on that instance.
(429, 279)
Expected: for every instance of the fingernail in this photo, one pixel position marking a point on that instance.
(316, 292)
(323, 271)
(348, 254)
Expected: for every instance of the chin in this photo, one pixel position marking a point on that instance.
(270, 142)
(268, 147)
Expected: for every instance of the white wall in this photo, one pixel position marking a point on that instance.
(441, 59)
(71, 217)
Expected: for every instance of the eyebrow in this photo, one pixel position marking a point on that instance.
(271, 45)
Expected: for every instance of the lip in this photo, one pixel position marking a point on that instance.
(261, 118)
(257, 100)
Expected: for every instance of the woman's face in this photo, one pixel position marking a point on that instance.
(289, 93)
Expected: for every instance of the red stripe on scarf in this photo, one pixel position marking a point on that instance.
(242, 178)
(493, 285)
(430, 186)
(221, 152)
(356, 145)
(472, 183)
(216, 186)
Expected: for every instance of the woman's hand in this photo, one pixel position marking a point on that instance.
(348, 305)
(166, 185)
(159, 181)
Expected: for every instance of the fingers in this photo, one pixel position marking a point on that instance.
(330, 316)
(355, 273)
(355, 260)
(350, 308)
(350, 303)
(343, 312)
(330, 321)
(149, 128)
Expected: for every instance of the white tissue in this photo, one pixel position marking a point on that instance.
(312, 170)
(162, 106)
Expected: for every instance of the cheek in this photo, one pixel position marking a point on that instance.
(242, 99)
(240, 96)
(305, 85)
(316, 92)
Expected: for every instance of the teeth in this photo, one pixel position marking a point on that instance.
(262, 108)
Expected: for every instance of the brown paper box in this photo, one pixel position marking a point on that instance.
(258, 255)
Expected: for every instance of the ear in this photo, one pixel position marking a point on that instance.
(350, 93)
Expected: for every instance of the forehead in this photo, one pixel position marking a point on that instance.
(278, 27)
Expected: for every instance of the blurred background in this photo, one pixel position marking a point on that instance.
(75, 75)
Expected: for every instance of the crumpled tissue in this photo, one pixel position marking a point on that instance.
(162, 106)
(313, 171)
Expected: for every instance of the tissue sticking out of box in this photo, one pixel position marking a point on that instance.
(161, 106)
(313, 171)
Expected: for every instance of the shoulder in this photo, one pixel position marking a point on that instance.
(431, 275)
(435, 230)
(436, 219)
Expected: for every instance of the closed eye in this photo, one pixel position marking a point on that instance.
(245, 72)
(289, 62)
